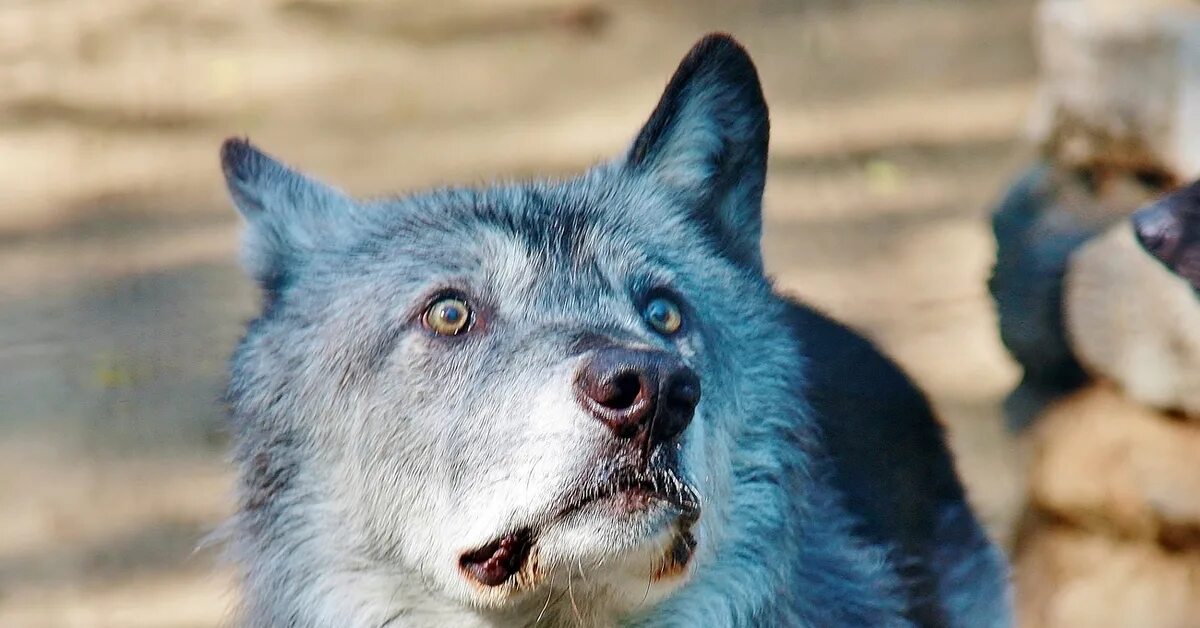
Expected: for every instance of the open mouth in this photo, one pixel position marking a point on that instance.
(497, 562)
(493, 564)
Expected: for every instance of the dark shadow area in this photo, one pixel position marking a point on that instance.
(132, 364)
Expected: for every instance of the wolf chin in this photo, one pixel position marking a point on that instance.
(578, 402)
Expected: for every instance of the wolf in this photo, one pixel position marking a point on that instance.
(1111, 512)
(579, 402)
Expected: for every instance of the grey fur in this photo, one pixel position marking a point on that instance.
(372, 453)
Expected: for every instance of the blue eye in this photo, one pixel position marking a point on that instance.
(663, 315)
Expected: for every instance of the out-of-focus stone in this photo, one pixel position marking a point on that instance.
(1042, 221)
(1066, 577)
(1130, 320)
(1111, 466)
(1120, 85)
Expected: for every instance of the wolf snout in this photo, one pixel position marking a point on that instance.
(642, 395)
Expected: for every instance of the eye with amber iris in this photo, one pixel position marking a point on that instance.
(663, 315)
(448, 316)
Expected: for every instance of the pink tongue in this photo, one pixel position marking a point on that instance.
(493, 564)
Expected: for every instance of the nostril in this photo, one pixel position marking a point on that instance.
(684, 394)
(684, 389)
(621, 391)
(680, 399)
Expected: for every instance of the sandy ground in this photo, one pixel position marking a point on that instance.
(896, 124)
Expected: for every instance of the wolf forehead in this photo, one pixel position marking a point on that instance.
(603, 223)
(557, 227)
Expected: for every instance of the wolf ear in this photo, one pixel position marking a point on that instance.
(707, 142)
(287, 213)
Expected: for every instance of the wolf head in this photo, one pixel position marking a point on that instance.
(508, 392)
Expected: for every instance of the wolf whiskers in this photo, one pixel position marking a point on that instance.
(649, 583)
(549, 595)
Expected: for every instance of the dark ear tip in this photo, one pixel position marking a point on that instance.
(239, 159)
(719, 42)
(721, 57)
(718, 47)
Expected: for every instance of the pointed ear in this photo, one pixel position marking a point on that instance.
(707, 142)
(287, 213)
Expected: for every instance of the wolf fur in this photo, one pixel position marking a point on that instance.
(374, 456)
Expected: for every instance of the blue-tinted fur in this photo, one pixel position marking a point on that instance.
(370, 451)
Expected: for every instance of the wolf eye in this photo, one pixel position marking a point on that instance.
(448, 317)
(663, 315)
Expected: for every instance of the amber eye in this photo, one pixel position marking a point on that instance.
(448, 317)
(663, 315)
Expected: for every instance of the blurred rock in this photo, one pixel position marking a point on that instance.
(1117, 122)
(1118, 84)
(1047, 214)
(1069, 578)
(1108, 464)
(1170, 231)
(1111, 532)
(1132, 321)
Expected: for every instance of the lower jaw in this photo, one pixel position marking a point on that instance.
(659, 554)
(658, 544)
(649, 534)
(677, 557)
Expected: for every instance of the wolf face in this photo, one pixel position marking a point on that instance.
(509, 394)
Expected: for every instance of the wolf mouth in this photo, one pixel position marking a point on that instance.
(496, 562)
(632, 492)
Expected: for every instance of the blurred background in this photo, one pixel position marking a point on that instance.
(896, 124)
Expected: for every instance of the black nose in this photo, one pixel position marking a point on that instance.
(638, 394)
(1169, 230)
